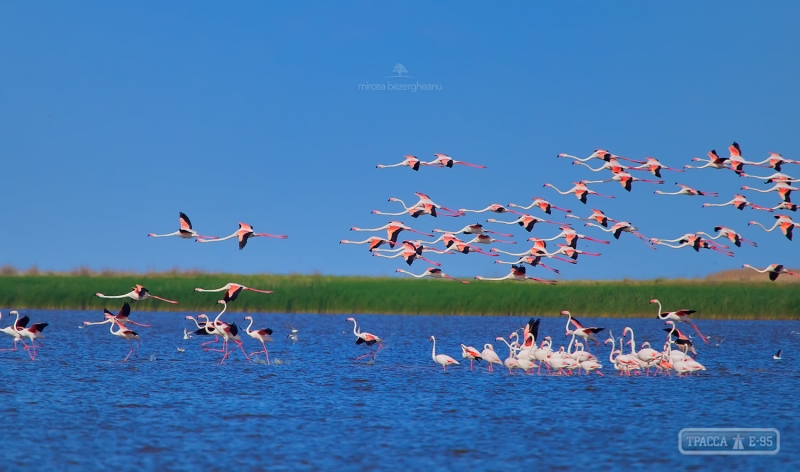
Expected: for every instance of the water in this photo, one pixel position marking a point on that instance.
(78, 407)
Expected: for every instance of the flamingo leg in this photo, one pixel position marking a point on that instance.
(129, 352)
(698, 332)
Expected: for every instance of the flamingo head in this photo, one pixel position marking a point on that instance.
(625, 331)
(248, 317)
(431, 339)
(350, 319)
(189, 317)
(393, 199)
(565, 312)
(653, 301)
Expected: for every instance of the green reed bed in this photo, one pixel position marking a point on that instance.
(322, 294)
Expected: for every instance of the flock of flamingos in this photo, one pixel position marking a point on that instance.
(524, 353)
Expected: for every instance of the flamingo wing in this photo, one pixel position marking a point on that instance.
(186, 224)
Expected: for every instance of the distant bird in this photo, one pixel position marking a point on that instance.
(777, 355)
(655, 167)
(469, 352)
(681, 316)
(625, 179)
(393, 229)
(409, 252)
(122, 317)
(542, 204)
(490, 356)
(180, 349)
(732, 235)
(784, 190)
(571, 236)
(476, 228)
(774, 270)
(518, 273)
(597, 215)
(526, 221)
(785, 224)
(432, 272)
(442, 359)
(410, 161)
(260, 335)
(494, 208)
(366, 338)
(232, 291)
(186, 231)
(293, 333)
(686, 190)
(714, 161)
(739, 202)
(373, 243)
(138, 293)
(446, 161)
(623, 227)
(244, 233)
(775, 161)
(186, 335)
(580, 190)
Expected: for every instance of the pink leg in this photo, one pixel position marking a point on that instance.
(130, 352)
(241, 346)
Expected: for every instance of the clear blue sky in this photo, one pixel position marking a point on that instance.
(115, 116)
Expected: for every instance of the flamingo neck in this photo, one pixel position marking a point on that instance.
(249, 326)
(433, 352)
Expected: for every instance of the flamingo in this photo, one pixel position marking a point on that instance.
(121, 317)
(598, 154)
(580, 190)
(681, 316)
(775, 161)
(714, 161)
(138, 293)
(610, 163)
(537, 251)
(517, 273)
(783, 222)
(776, 177)
(533, 261)
(442, 359)
(185, 231)
(410, 161)
(680, 339)
(494, 208)
(739, 202)
(736, 161)
(261, 335)
(655, 167)
(542, 204)
(465, 248)
(777, 355)
(124, 333)
(490, 356)
(486, 239)
(469, 352)
(686, 190)
(13, 330)
(584, 333)
(785, 206)
(410, 252)
(734, 237)
(393, 229)
(374, 242)
(774, 270)
(510, 362)
(784, 190)
(366, 338)
(229, 332)
(232, 291)
(526, 221)
(244, 233)
(201, 329)
(476, 228)
(597, 215)
(693, 241)
(646, 354)
(446, 161)
(625, 179)
(433, 273)
(415, 211)
(622, 227)
(572, 237)
(429, 205)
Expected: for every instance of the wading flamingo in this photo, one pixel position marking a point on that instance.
(681, 316)
(774, 270)
(232, 291)
(542, 204)
(12, 330)
(442, 359)
(138, 293)
(469, 352)
(686, 190)
(580, 190)
(518, 273)
(244, 233)
(432, 272)
(366, 338)
(393, 229)
(261, 335)
(490, 356)
(229, 332)
(186, 231)
(125, 333)
(681, 339)
(446, 161)
(785, 224)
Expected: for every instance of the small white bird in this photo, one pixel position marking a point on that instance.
(180, 349)
(293, 334)
(186, 335)
(777, 356)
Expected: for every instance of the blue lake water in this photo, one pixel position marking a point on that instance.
(77, 407)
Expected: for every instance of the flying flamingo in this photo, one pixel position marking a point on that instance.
(244, 233)
(625, 179)
(477, 228)
(416, 210)
(261, 335)
(138, 293)
(739, 202)
(776, 177)
(374, 242)
(232, 291)
(655, 167)
(122, 317)
(393, 229)
(622, 227)
(542, 204)
(714, 161)
(486, 239)
(785, 223)
(585, 333)
(429, 205)
(446, 161)
(610, 164)
(538, 250)
(526, 221)
(784, 190)
(572, 237)
(599, 154)
(494, 207)
(775, 161)
(693, 241)
(686, 190)
(410, 252)
(186, 231)
(680, 339)
(125, 333)
(736, 161)
(572, 253)
(469, 352)
(490, 356)
(734, 237)
(681, 316)
(442, 359)
(785, 206)
(597, 215)
(517, 273)
(580, 190)
(465, 248)
(774, 270)
(201, 329)
(410, 161)
(433, 273)
(533, 261)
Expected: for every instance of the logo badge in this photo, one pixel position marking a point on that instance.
(729, 441)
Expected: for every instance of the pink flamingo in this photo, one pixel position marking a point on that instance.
(185, 231)
(580, 190)
(681, 316)
(526, 221)
(373, 243)
(232, 291)
(138, 293)
(410, 161)
(433, 273)
(446, 161)
(686, 190)
(774, 270)
(393, 229)
(244, 233)
(542, 204)
(261, 335)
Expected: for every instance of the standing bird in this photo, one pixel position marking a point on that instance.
(739, 202)
(232, 291)
(469, 352)
(580, 190)
(442, 359)
(244, 233)
(373, 242)
(261, 335)
(410, 161)
(681, 316)
(734, 237)
(526, 221)
(446, 161)
(518, 273)
(393, 229)
(774, 271)
(366, 338)
(138, 293)
(686, 190)
(655, 167)
(784, 222)
(186, 231)
(13, 330)
(542, 204)
(432, 272)
(490, 356)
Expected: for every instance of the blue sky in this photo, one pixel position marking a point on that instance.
(115, 116)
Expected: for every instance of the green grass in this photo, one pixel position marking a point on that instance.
(322, 294)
